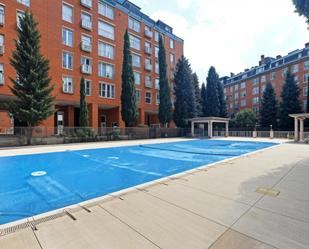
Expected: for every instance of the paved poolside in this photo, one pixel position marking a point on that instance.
(216, 208)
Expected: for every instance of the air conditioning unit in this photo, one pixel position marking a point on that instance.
(86, 24)
(86, 69)
(1, 49)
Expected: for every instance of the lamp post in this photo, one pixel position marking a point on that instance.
(271, 134)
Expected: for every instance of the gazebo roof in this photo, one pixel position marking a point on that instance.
(208, 119)
(300, 115)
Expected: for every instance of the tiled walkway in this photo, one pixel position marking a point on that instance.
(217, 208)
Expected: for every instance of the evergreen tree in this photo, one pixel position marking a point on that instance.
(165, 106)
(185, 106)
(268, 111)
(302, 8)
(290, 103)
(244, 119)
(129, 110)
(197, 92)
(307, 109)
(212, 98)
(32, 89)
(222, 102)
(83, 111)
(203, 100)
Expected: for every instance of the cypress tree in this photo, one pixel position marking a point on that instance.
(197, 92)
(129, 110)
(221, 97)
(212, 99)
(268, 111)
(307, 109)
(83, 111)
(165, 106)
(289, 102)
(203, 99)
(32, 89)
(185, 106)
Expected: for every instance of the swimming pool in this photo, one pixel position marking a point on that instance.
(34, 184)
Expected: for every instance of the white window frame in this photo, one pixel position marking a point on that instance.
(66, 62)
(65, 87)
(103, 50)
(67, 18)
(65, 39)
(149, 97)
(134, 24)
(106, 75)
(133, 60)
(106, 10)
(102, 31)
(88, 87)
(107, 90)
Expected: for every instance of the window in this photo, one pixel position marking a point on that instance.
(157, 99)
(67, 60)
(272, 75)
(306, 78)
(255, 81)
(106, 30)
(67, 13)
(86, 3)
(135, 42)
(243, 103)
(156, 52)
(137, 78)
(107, 90)
(243, 85)
(306, 65)
(157, 84)
(255, 91)
(1, 44)
(243, 94)
(106, 70)
(1, 74)
(157, 68)
(172, 59)
(295, 68)
(86, 21)
(67, 37)
(148, 98)
(86, 65)
(148, 47)
(305, 91)
(148, 32)
(86, 43)
(148, 65)
(67, 84)
(24, 2)
(136, 60)
(255, 100)
(134, 25)
(236, 95)
(172, 44)
(106, 50)
(20, 15)
(88, 87)
(259, 70)
(138, 96)
(156, 36)
(106, 10)
(263, 79)
(284, 72)
(1, 15)
(236, 87)
(148, 81)
(295, 77)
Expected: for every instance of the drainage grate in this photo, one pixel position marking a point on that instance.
(268, 191)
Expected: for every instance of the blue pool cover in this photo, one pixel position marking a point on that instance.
(34, 184)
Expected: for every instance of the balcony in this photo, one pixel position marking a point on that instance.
(148, 50)
(86, 3)
(148, 34)
(1, 49)
(87, 69)
(1, 19)
(86, 47)
(1, 79)
(148, 67)
(86, 24)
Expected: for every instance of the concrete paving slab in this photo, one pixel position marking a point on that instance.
(97, 229)
(277, 230)
(201, 203)
(164, 224)
(235, 240)
(23, 239)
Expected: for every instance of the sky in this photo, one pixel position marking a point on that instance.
(230, 35)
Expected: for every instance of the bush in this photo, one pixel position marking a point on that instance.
(244, 119)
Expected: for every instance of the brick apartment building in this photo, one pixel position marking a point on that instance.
(245, 90)
(85, 37)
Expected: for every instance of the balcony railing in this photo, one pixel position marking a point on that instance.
(148, 33)
(86, 24)
(148, 50)
(86, 3)
(148, 67)
(86, 47)
(86, 69)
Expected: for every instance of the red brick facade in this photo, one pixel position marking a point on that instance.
(49, 15)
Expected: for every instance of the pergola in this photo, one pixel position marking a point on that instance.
(299, 126)
(210, 121)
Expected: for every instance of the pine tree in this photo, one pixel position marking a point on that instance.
(302, 8)
(83, 111)
(203, 100)
(212, 99)
(32, 89)
(129, 110)
(268, 111)
(307, 109)
(197, 92)
(185, 106)
(165, 106)
(290, 103)
(221, 97)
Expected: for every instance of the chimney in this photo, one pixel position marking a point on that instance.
(232, 74)
(278, 57)
(307, 45)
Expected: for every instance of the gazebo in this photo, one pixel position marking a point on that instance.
(299, 126)
(210, 121)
